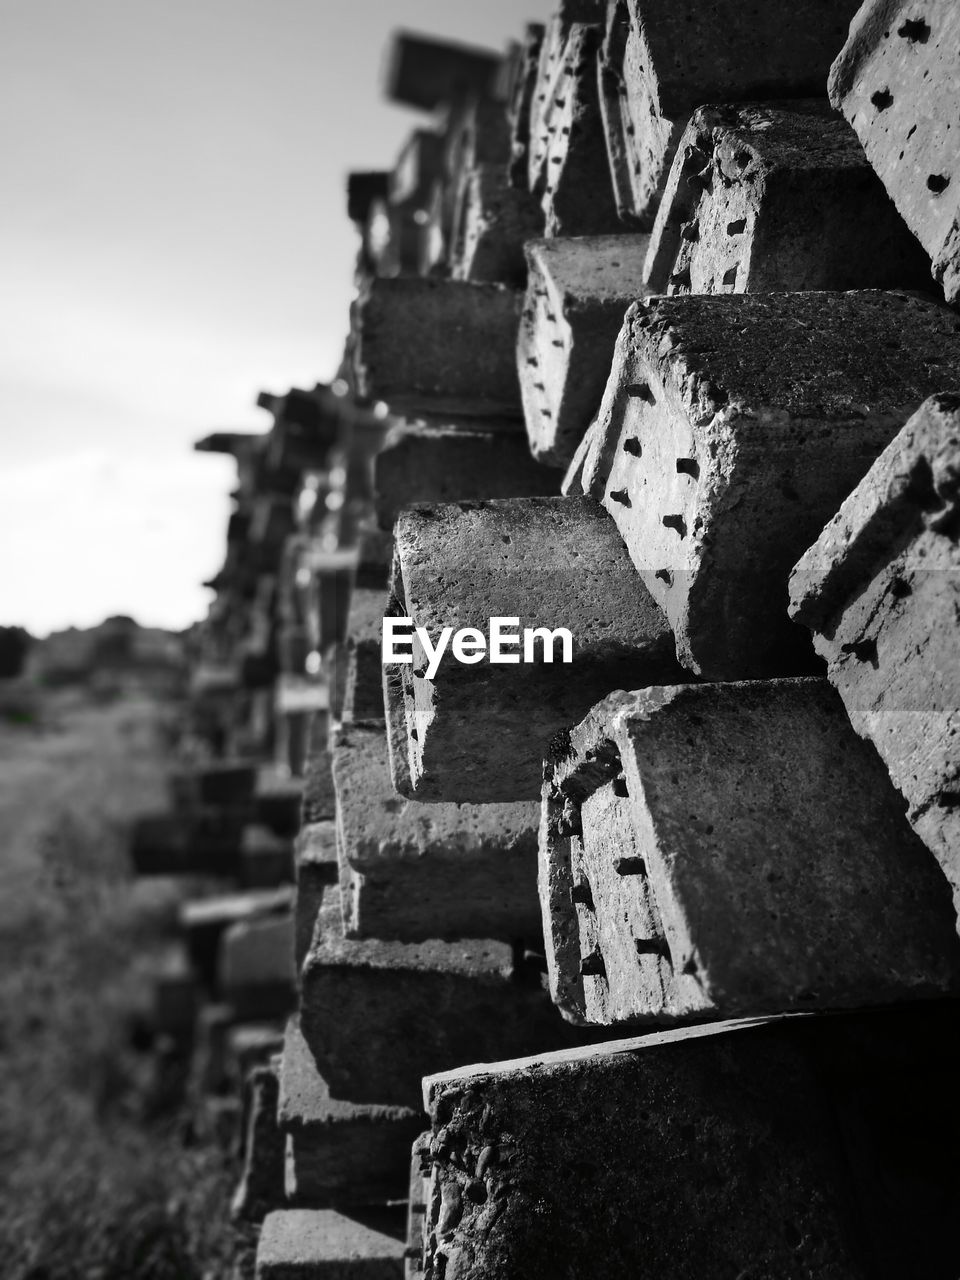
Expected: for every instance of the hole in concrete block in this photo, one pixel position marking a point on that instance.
(915, 30)
(582, 894)
(630, 866)
(688, 467)
(665, 576)
(862, 650)
(641, 391)
(592, 966)
(882, 99)
(632, 446)
(737, 227)
(730, 275)
(675, 522)
(938, 183)
(621, 496)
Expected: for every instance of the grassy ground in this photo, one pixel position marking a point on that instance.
(102, 1173)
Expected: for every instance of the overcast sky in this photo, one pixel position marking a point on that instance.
(173, 238)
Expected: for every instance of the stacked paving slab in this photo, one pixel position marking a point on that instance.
(642, 957)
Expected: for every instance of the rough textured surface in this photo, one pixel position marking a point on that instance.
(490, 224)
(378, 1015)
(429, 871)
(768, 1150)
(256, 966)
(446, 460)
(578, 289)
(881, 591)
(318, 800)
(261, 1182)
(768, 197)
(521, 101)
(321, 1244)
(363, 696)
(663, 58)
(338, 1153)
(897, 81)
(479, 733)
(417, 1223)
(566, 164)
(732, 428)
(733, 850)
(317, 869)
(446, 346)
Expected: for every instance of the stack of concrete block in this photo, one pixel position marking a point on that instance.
(641, 247)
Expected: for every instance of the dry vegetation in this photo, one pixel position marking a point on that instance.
(103, 1170)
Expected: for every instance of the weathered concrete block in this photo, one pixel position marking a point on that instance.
(445, 346)
(317, 870)
(261, 1182)
(897, 80)
(225, 784)
(766, 197)
(418, 165)
(317, 796)
(479, 732)
(520, 103)
(662, 59)
(732, 1150)
(257, 967)
(378, 1015)
(880, 590)
(732, 428)
(491, 223)
(278, 800)
(206, 842)
(363, 695)
(338, 1153)
(444, 460)
(417, 1224)
(204, 920)
(362, 189)
(732, 850)
(440, 871)
(566, 163)
(322, 1244)
(175, 994)
(578, 289)
(425, 73)
(266, 859)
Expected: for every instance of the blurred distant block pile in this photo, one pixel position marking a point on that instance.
(647, 964)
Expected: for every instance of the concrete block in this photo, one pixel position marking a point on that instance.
(442, 460)
(338, 1153)
(662, 59)
(254, 1044)
(317, 870)
(203, 922)
(256, 967)
(363, 694)
(176, 994)
(566, 163)
(362, 189)
(417, 1224)
(439, 871)
(322, 1244)
(491, 223)
(578, 290)
(897, 80)
(378, 1015)
(479, 732)
(224, 784)
(418, 166)
(201, 843)
(318, 799)
(260, 1189)
(266, 859)
(767, 1149)
(446, 346)
(277, 801)
(880, 589)
(777, 197)
(725, 850)
(520, 103)
(732, 428)
(427, 73)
